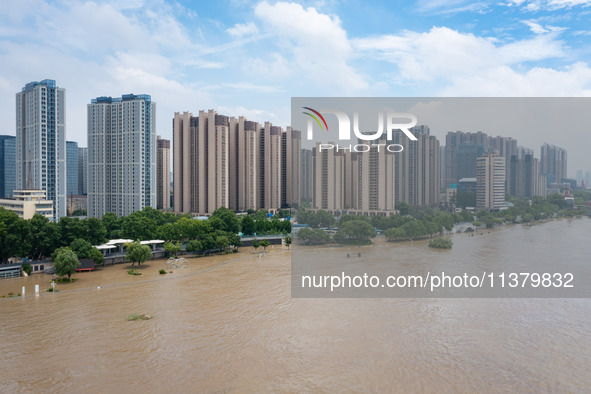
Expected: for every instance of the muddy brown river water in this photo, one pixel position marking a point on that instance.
(229, 324)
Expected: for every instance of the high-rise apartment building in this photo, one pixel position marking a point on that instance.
(82, 171)
(7, 165)
(71, 168)
(121, 155)
(41, 141)
(506, 147)
(270, 167)
(183, 162)
(201, 164)
(244, 164)
(553, 163)
(162, 173)
(523, 179)
(328, 177)
(458, 166)
(417, 168)
(307, 175)
(490, 181)
(291, 143)
(221, 161)
(370, 180)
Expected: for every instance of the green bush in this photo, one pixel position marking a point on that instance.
(162, 272)
(27, 268)
(64, 280)
(134, 272)
(440, 243)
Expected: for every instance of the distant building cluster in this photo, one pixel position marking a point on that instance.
(372, 182)
(225, 161)
(467, 155)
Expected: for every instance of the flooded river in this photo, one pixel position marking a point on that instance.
(229, 324)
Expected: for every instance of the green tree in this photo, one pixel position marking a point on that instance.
(313, 236)
(557, 199)
(228, 217)
(169, 232)
(234, 240)
(208, 243)
(194, 246)
(287, 241)
(97, 233)
(172, 248)
(85, 250)
(137, 252)
(323, 219)
(112, 225)
(222, 243)
(72, 228)
(412, 229)
(27, 268)
(44, 236)
(286, 227)
(355, 231)
(262, 226)
(256, 243)
(65, 261)
(247, 226)
(185, 229)
(260, 215)
(441, 243)
(139, 225)
(394, 233)
(265, 243)
(347, 218)
(16, 239)
(466, 216)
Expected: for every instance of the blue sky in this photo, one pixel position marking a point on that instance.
(248, 58)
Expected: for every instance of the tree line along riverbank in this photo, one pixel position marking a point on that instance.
(37, 237)
(413, 223)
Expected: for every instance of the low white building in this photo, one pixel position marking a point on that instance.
(27, 203)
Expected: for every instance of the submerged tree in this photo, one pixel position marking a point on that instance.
(264, 243)
(65, 261)
(173, 248)
(137, 252)
(287, 241)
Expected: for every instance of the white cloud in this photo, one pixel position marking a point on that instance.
(95, 49)
(315, 44)
(275, 67)
(535, 27)
(444, 56)
(253, 87)
(574, 80)
(243, 29)
(539, 29)
(536, 5)
(447, 7)
(255, 115)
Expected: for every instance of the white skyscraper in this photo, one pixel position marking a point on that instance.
(41, 141)
(490, 181)
(121, 155)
